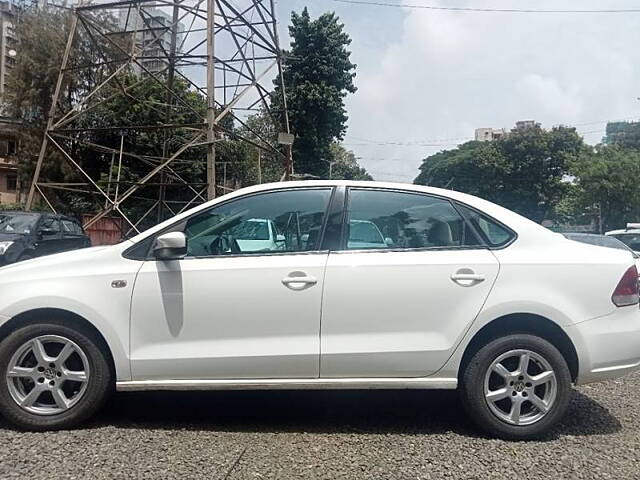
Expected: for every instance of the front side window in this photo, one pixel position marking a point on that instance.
(284, 221)
(384, 219)
(50, 224)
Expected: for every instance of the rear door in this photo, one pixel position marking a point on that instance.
(398, 307)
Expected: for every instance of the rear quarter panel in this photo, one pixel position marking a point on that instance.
(564, 281)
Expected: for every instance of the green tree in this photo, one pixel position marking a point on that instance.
(525, 172)
(41, 36)
(41, 39)
(344, 164)
(146, 106)
(318, 74)
(623, 134)
(260, 128)
(606, 179)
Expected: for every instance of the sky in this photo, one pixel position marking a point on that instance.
(427, 79)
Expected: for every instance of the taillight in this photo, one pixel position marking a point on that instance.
(626, 293)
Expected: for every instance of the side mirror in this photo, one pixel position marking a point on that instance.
(170, 246)
(280, 238)
(388, 241)
(45, 232)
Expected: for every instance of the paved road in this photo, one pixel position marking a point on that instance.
(369, 435)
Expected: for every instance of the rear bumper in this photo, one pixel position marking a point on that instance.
(608, 347)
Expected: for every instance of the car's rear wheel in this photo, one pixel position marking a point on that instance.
(52, 376)
(516, 387)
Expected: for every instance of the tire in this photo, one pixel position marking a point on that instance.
(516, 407)
(46, 409)
(24, 257)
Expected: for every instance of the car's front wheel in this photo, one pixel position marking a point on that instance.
(516, 387)
(52, 376)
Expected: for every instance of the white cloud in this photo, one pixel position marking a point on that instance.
(548, 97)
(440, 75)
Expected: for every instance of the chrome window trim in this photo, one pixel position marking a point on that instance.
(451, 201)
(182, 223)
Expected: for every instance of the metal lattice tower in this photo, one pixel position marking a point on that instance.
(227, 52)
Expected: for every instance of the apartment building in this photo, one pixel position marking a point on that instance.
(154, 36)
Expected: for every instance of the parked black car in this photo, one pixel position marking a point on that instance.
(25, 235)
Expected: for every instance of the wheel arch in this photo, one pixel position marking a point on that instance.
(64, 317)
(528, 323)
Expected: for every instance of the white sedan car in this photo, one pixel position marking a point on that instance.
(465, 294)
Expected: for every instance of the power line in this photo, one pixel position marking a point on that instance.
(453, 141)
(421, 144)
(482, 10)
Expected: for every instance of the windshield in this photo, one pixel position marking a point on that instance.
(16, 223)
(632, 240)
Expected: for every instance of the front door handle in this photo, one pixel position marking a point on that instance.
(299, 281)
(467, 277)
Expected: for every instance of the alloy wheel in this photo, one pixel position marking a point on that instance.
(520, 387)
(48, 375)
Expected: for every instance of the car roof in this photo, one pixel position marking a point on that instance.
(622, 231)
(513, 220)
(18, 212)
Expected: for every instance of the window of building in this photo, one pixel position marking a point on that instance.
(12, 183)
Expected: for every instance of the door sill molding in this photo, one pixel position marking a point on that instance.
(291, 384)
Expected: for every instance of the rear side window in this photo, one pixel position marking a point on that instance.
(632, 240)
(495, 234)
(379, 219)
(70, 227)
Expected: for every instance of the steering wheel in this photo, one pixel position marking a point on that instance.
(224, 245)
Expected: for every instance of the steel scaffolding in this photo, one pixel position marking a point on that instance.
(227, 52)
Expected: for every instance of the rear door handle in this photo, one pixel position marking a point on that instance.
(466, 277)
(299, 282)
(476, 277)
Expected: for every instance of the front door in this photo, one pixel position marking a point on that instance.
(49, 236)
(244, 303)
(73, 237)
(410, 279)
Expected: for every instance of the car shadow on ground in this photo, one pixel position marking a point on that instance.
(358, 411)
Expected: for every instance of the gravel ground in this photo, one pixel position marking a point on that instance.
(372, 435)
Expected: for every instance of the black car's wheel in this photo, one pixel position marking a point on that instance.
(52, 377)
(516, 387)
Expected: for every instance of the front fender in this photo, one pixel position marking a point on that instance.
(80, 282)
(116, 346)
